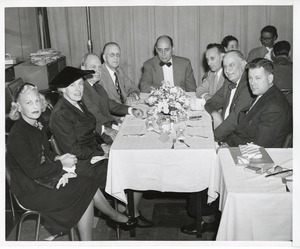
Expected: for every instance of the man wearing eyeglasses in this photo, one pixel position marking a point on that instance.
(167, 67)
(268, 36)
(114, 80)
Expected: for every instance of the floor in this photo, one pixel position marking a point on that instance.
(167, 210)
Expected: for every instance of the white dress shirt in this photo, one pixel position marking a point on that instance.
(232, 92)
(168, 73)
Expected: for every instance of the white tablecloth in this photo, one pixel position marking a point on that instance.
(147, 163)
(253, 207)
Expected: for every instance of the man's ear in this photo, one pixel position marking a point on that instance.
(244, 63)
(104, 57)
(270, 78)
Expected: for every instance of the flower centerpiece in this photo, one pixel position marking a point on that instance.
(168, 99)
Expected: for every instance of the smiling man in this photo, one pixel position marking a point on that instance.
(269, 119)
(167, 67)
(232, 97)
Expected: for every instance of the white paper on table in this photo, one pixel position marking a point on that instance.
(197, 104)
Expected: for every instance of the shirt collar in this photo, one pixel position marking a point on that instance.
(111, 72)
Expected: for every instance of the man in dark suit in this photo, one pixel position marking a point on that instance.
(232, 97)
(167, 67)
(283, 67)
(116, 83)
(269, 119)
(99, 104)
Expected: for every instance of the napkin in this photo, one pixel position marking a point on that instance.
(248, 151)
(197, 104)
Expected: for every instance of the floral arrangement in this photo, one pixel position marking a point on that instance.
(168, 99)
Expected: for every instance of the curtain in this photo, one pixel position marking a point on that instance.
(136, 28)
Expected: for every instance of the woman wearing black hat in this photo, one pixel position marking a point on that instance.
(70, 200)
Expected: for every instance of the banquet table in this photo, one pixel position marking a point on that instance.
(142, 160)
(254, 207)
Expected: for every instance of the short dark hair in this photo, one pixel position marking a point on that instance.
(270, 29)
(217, 46)
(110, 44)
(228, 39)
(282, 48)
(261, 62)
(164, 36)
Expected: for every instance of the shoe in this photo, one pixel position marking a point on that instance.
(130, 224)
(191, 229)
(143, 222)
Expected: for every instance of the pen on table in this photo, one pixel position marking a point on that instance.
(280, 172)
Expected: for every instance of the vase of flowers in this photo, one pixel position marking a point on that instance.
(168, 100)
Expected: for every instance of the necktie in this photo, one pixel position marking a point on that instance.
(162, 64)
(118, 88)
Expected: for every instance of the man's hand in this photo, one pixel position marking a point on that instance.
(217, 119)
(68, 160)
(110, 132)
(134, 95)
(138, 113)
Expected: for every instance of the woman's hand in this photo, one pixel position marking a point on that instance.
(68, 160)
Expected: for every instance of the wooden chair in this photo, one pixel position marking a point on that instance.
(27, 211)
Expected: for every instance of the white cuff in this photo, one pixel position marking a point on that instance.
(130, 110)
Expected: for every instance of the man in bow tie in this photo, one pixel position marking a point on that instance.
(167, 67)
(232, 97)
(269, 119)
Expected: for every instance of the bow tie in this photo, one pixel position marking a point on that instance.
(162, 64)
(232, 86)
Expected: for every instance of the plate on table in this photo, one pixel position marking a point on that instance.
(283, 175)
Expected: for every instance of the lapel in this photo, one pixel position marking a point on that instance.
(108, 83)
(74, 109)
(176, 71)
(158, 70)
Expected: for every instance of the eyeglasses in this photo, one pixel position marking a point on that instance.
(266, 38)
(22, 89)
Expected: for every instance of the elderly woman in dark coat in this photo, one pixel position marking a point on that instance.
(71, 201)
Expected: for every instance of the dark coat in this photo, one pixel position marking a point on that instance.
(153, 74)
(75, 133)
(266, 124)
(101, 106)
(242, 98)
(61, 208)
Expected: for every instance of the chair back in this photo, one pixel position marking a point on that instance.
(288, 141)
(10, 89)
(55, 146)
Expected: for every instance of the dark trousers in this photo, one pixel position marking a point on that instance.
(206, 210)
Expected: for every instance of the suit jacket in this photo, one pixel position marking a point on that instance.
(24, 154)
(153, 75)
(266, 124)
(126, 85)
(209, 85)
(242, 98)
(283, 73)
(259, 52)
(74, 130)
(101, 106)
